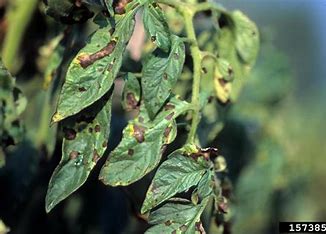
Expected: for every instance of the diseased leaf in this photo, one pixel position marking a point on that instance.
(12, 104)
(160, 73)
(91, 73)
(86, 137)
(177, 217)
(238, 43)
(156, 26)
(131, 92)
(141, 147)
(175, 175)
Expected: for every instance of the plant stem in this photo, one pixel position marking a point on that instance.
(196, 57)
(19, 16)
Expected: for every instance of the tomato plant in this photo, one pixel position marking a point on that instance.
(187, 75)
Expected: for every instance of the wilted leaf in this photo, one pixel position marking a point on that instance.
(86, 138)
(175, 175)
(238, 43)
(141, 147)
(160, 73)
(91, 73)
(156, 26)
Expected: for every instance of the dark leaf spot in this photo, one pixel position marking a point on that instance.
(104, 144)
(73, 155)
(204, 70)
(167, 131)
(222, 82)
(165, 76)
(223, 207)
(230, 71)
(199, 227)
(139, 133)
(96, 156)
(97, 128)
(110, 66)
(132, 103)
(153, 38)
(168, 223)
(169, 117)
(120, 6)
(70, 134)
(176, 56)
(130, 152)
(81, 89)
(111, 31)
(169, 106)
(174, 232)
(90, 130)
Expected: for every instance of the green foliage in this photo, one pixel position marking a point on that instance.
(156, 26)
(214, 67)
(160, 73)
(141, 147)
(175, 175)
(85, 140)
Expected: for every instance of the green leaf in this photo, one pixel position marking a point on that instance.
(85, 141)
(91, 73)
(156, 26)
(160, 73)
(131, 92)
(12, 104)
(177, 217)
(141, 147)
(175, 175)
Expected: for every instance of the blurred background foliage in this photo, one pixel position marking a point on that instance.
(272, 138)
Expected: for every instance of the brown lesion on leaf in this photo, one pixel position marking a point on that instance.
(97, 128)
(169, 106)
(120, 6)
(73, 155)
(207, 153)
(130, 152)
(96, 156)
(139, 133)
(169, 116)
(69, 133)
(86, 60)
(104, 144)
(131, 101)
(199, 227)
(81, 89)
(168, 223)
(167, 131)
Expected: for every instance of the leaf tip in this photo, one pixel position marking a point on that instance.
(56, 118)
